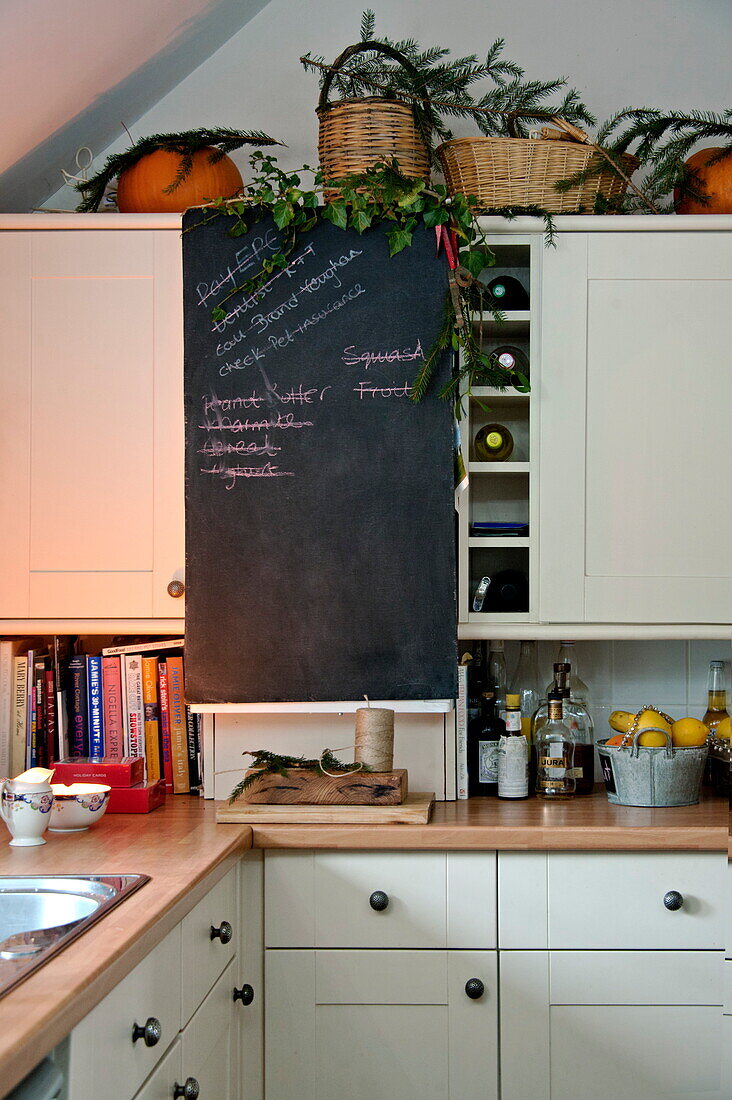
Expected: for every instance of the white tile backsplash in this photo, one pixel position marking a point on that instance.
(642, 667)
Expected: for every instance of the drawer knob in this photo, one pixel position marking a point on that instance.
(224, 932)
(189, 1091)
(379, 901)
(151, 1032)
(245, 994)
(474, 988)
(673, 900)
(176, 589)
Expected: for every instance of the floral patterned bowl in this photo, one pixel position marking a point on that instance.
(78, 806)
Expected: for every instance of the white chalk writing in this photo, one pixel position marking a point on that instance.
(366, 389)
(355, 357)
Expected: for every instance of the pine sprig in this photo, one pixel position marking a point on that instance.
(185, 144)
(273, 763)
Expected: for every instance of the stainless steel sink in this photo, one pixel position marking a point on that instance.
(40, 915)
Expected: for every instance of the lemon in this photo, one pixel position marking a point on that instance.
(652, 739)
(689, 732)
(724, 729)
(621, 720)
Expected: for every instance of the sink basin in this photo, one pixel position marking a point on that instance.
(40, 915)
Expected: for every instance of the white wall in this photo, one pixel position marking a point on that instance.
(665, 53)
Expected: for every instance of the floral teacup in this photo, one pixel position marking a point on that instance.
(26, 815)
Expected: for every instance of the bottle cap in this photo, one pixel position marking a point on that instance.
(497, 646)
(716, 664)
(513, 701)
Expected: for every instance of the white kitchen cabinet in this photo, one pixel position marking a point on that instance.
(250, 985)
(639, 1025)
(634, 524)
(208, 942)
(91, 456)
(208, 1042)
(394, 1024)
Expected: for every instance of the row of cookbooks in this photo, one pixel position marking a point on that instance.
(123, 703)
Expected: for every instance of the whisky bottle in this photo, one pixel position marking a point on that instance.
(555, 754)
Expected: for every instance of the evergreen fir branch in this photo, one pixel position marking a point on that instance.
(368, 21)
(272, 763)
(185, 144)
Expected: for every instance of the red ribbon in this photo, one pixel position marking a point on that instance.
(447, 239)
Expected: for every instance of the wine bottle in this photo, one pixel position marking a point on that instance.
(497, 675)
(511, 359)
(525, 683)
(506, 293)
(493, 443)
(484, 734)
(513, 754)
(508, 591)
(716, 696)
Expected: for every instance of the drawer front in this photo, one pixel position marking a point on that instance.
(203, 957)
(380, 899)
(160, 1085)
(616, 900)
(104, 1038)
(208, 1041)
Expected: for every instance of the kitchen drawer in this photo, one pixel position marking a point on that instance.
(162, 1081)
(611, 900)
(103, 1060)
(207, 1042)
(636, 978)
(433, 899)
(204, 955)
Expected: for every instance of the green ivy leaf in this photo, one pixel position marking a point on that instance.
(435, 216)
(282, 213)
(218, 314)
(473, 260)
(398, 239)
(520, 382)
(337, 213)
(360, 220)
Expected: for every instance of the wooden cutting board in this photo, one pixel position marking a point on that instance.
(415, 810)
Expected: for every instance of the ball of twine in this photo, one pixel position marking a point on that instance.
(375, 738)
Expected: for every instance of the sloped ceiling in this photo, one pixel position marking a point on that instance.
(73, 71)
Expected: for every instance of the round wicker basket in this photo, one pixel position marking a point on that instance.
(517, 171)
(356, 134)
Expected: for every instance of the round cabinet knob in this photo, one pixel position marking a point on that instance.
(151, 1032)
(176, 589)
(189, 1091)
(224, 932)
(379, 901)
(245, 994)
(474, 988)
(673, 900)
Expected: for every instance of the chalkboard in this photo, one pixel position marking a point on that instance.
(320, 553)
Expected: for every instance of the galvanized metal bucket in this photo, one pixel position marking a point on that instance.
(664, 776)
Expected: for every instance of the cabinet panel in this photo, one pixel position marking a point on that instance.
(616, 901)
(636, 978)
(251, 971)
(329, 1035)
(635, 1052)
(104, 1037)
(160, 1084)
(207, 1043)
(204, 958)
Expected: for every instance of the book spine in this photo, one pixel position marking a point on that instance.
(178, 738)
(152, 717)
(114, 727)
(135, 710)
(17, 755)
(50, 715)
(165, 724)
(7, 706)
(192, 740)
(30, 710)
(38, 726)
(96, 713)
(76, 706)
(62, 739)
(160, 646)
(461, 733)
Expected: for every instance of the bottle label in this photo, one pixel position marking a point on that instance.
(487, 761)
(513, 767)
(554, 762)
(513, 721)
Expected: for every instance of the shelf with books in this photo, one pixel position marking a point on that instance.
(89, 697)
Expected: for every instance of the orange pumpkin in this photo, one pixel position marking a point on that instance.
(141, 188)
(715, 180)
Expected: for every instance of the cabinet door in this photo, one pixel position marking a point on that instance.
(635, 412)
(92, 476)
(393, 1024)
(205, 955)
(161, 1083)
(639, 1025)
(208, 1049)
(250, 1070)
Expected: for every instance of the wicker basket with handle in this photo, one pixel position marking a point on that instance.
(356, 134)
(518, 171)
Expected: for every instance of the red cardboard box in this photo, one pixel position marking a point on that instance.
(127, 772)
(141, 799)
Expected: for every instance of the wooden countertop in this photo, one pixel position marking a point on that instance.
(178, 847)
(181, 846)
(589, 823)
